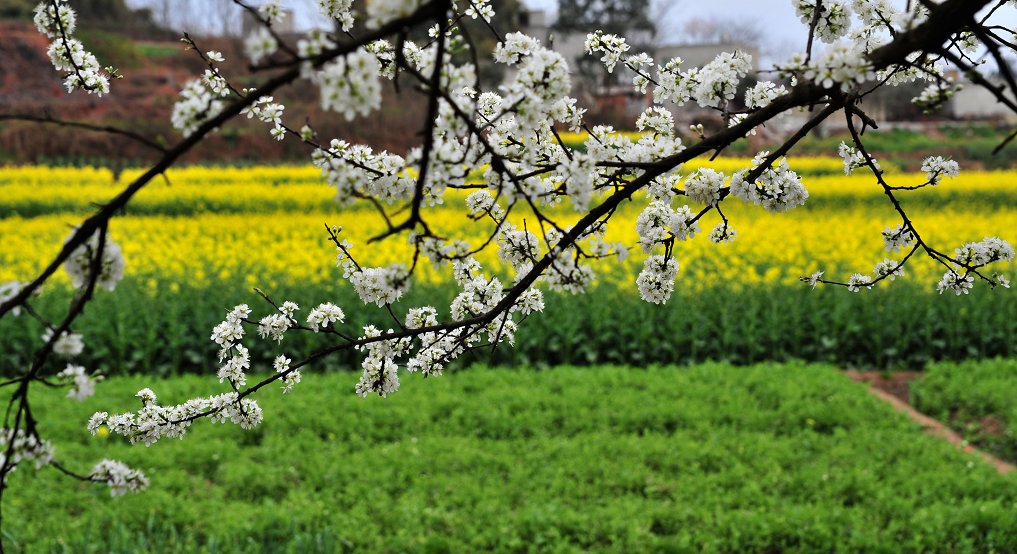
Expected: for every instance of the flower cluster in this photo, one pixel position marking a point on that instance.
(658, 222)
(228, 335)
(349, 85)
(704, 186)
(56, 20)
(717, 81)
(153, 421)
(271, 12)
(853, 158)
(260, 44)
(612, 46)
(937, 167)
(110, 267)
(379, 285)
(762, 93)
(480, 8)
(723, 233)
(656, 280)
(889, 269)
(82, 384)
(840, 65)
(857, 281)
(897, 238)
(957, 283)
(68, 344)
(324, 315)
(291, 376)
(355, 170)
(267, 111)
(517, 246)
(198, 103)
(22, 446)
(832, 21)
(984, 252)
(380, 12)
(777, 189)
(120, 478)
(935, 94)
(339, 10)
(275, 325)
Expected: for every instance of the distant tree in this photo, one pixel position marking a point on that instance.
(16, 9)
(618, 17)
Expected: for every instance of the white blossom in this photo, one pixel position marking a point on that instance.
(832, 21)
(349, 85)
(22, 446)
(147, 396)
(612, 46)
(324, 315)
(82, 384)
(260, 44)
(777, 189)
(339, 10)
(380, 285)
(196, 105)
(853, 158)
(8, 291)
(380, 12)
(704, 186)
(656, 280)
(272, 11)
(657, 120)
(718, 80)
(897, 238)
(79, 263)
(723, 233)
(984, 252)
(764, 92)
(888, 268)
(97, 420)
(120, 478)
(840, 64)
(52, 26)
(937, 167)
(68, 344)
(956, 283)
(814, 278)
(857, 281)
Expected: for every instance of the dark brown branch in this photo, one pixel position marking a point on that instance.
(109, 129)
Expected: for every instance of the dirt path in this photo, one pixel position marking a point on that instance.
(893, 390)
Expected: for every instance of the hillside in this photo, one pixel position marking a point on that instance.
(153, 73)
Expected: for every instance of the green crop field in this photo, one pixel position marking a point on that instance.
(710, 458)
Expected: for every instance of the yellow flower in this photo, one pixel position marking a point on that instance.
(265, 225)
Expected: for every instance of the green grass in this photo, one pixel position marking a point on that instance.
(900, 327)
(711, 458)
(977, 399)
(157, 50)
(970, 144)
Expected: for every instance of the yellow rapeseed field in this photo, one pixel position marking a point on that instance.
(274, 228)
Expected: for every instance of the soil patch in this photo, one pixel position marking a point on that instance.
(894, 383)
(892, 388)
